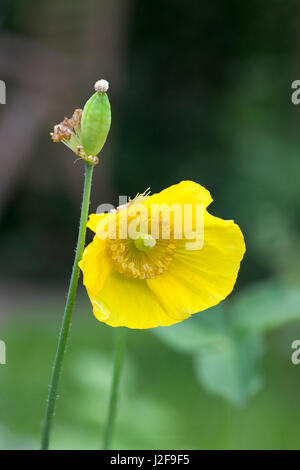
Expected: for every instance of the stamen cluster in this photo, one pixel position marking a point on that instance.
(68, 127)
(68, 132)
(129, 262)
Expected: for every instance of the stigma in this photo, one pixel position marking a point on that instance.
(145, 242)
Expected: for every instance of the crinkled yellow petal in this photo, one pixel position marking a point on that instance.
(199, 279)
(95, 265)
(185, 192)
(125, 301)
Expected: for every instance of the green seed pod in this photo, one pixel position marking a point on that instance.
(95, 121)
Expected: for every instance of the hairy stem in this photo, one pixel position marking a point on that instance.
(65, 327)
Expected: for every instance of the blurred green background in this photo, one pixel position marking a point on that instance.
(201, 91)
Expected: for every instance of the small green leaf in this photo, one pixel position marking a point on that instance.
(226, 360)
(229, 367)
(195, 332)
(265, 306)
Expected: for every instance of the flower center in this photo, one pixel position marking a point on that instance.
(143, 258)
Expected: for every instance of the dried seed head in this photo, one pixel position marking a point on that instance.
(65, 129)
(75, 121)
(61, 131)
(86, 131)
(101, 86)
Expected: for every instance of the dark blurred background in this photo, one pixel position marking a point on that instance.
(199, 90)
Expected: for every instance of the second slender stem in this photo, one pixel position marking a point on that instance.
(109, 427)
(65, 327)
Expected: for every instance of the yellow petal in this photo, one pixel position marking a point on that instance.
(125, 301)
(185, 192)
(199, 279)
(94, 220)
(95, 265)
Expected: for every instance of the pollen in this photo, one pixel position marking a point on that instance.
(133, 262)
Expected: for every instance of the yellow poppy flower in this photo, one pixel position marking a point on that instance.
(144, 281)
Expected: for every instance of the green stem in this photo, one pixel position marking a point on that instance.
(227, 426)
(65, 327)
(109, 427)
